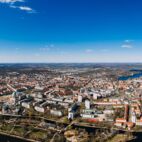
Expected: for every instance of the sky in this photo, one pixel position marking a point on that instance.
(82, 31)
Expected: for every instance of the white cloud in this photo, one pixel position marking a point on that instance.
(127, 46)
(88, 50)
(26, 8)
(47, 47)
(11, 4)
(44, 49)
(128, 41)
(23, 8)
(11, 1)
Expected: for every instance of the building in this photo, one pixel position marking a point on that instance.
(87, 104)
(133, 117)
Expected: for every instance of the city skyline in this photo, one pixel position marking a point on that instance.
(70, 31)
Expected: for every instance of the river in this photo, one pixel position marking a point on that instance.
(138, 136)
(6, 138)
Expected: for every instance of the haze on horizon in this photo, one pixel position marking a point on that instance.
(70, 31)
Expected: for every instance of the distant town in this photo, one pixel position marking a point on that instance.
(71, 102)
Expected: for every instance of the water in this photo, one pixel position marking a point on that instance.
(136, 75)
(5, 138)
(138, 137)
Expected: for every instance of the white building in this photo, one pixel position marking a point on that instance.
(39, 109)
(71, 115)
(56, 112)
(133, 117)
(87, 104)
(95, 96)
(26, 105)
(139, 122)
(88, 116)
(79, 98)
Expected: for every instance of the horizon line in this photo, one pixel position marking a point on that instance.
(70, 62)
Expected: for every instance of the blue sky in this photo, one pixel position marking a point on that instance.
(70, 31)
